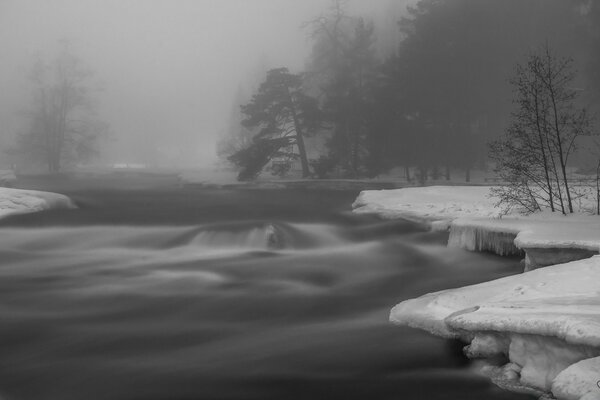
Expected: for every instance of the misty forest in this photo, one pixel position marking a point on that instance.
(431, 105)
(317, 199)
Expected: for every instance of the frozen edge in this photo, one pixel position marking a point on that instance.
(514, 328)
(547, 322)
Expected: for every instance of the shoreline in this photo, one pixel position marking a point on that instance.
(543, 323)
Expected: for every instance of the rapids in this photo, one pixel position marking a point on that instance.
(226, 294)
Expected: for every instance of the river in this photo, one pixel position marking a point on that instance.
(180, 293)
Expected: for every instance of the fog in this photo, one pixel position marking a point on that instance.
(167, 71)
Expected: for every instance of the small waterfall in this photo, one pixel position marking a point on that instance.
(263, 237)
(268, 236)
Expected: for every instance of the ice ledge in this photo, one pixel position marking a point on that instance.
(546, 323)
(546, 239)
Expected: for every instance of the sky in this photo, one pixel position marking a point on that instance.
(168, 70)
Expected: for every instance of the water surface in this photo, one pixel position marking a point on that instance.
(183, 293)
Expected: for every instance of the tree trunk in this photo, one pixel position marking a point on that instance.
(544, 156)
(302, 152)
(559, 139)
(299, 137)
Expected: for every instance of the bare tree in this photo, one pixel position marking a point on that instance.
(62, 126)
(533, 155)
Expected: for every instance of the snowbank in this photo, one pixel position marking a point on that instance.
(546, 322)
(16, 201)
(434, 205)
(476, 224)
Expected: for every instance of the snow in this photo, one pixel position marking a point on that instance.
(434, 205)
(17, 201)
(476, 224)
(546, 321)
(579, 381)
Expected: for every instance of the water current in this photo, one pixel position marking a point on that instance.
(186, 293)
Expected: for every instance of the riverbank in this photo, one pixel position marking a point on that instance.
(541, 328)
(475, 223)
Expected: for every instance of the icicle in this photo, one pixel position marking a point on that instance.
(479, 238)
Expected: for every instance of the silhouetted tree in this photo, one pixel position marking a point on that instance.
(282, 114)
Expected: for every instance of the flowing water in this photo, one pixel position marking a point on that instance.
(226, 294)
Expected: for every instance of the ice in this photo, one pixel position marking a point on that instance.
(579, 381)
(476, 224)
(546, 322)
(16, 201)
(474, 237)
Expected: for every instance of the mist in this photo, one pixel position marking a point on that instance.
(166, 72)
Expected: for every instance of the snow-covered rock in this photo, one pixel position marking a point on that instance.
(546, 322)
(17, 201)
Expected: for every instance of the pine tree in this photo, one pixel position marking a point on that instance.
(282, 114)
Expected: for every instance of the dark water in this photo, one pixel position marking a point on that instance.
(225, 294)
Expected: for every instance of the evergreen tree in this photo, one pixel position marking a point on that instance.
(343, 68)
(282, 114)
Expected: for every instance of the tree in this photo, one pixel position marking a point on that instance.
(283, 115)
(533, 155)
(62, 127)
(343, 68)
(452, 67)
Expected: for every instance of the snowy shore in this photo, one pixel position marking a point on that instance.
(543, 324)
(17, 201)
(476, 224)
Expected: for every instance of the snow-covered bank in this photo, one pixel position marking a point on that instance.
(476, 224)
(17, 201)
(546, 322)
(437, 206)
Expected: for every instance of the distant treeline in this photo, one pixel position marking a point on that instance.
(431, 106)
